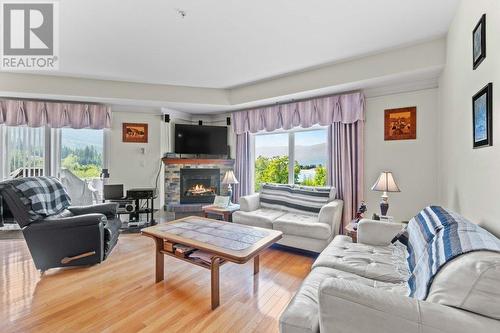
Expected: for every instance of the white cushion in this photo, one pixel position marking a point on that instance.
(470, 282)
(262, 217)
(302, 225)
(382, 263)
(302, 313)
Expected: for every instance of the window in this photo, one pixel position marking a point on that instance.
(271, 159)
(28, 151)
(82, 152)
(293, 157)
(311, 157)
(25, 151)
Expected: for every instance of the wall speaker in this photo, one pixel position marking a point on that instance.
(200, 122)
(166, 118)
(228, 121)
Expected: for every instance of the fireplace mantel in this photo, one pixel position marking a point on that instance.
(168, 160)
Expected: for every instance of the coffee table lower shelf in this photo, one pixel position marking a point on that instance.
(192, 261)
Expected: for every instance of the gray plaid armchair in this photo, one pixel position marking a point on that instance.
(58, 234)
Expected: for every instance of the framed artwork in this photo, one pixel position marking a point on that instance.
(400, 124)
(133, 132)
(482, 117)
(479, 42)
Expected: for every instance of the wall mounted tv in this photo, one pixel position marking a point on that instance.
(196, 139)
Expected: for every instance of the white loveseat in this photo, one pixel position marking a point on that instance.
(308, 217)
(362, 287)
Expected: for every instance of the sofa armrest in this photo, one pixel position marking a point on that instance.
(108, 209)
(69, 222)
(250, 203)
(377, 233)
(347, 306)
(50, 241)
(331, 213)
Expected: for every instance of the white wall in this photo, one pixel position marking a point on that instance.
(126, 163)
(413, 162)
(380, 68)
(470, 182)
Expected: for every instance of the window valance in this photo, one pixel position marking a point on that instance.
(324, 111)
(15, 112)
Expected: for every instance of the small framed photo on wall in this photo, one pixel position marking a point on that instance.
(482, 117)
(479, 42)
(400, 124)
(133, 132)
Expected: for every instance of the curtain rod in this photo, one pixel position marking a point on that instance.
(49, 100)
(293, 100)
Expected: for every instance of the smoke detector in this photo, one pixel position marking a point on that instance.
(182, 13)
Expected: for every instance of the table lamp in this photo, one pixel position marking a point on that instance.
(385, 183)
(229, 179)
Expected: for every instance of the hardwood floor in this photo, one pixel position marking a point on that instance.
(120, 295)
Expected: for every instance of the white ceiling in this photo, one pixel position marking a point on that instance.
(225, 43)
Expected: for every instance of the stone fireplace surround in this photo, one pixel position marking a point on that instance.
(173, 168)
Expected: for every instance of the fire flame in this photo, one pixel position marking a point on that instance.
(199, 189)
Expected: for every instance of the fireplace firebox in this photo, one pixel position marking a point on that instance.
(199, 185)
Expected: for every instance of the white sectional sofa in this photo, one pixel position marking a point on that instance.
(364, 287)
(309, 217)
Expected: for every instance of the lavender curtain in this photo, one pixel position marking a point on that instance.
(324, 111)
(242, 167)
(345, 165)
(54, 115)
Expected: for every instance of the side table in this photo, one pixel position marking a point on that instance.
(225, 212)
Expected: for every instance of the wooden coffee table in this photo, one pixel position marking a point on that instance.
(225, 242)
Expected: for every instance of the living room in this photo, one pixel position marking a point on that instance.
(338, 156)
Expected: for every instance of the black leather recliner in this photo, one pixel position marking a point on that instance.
(77, 236)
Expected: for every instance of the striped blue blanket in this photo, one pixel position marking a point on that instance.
(295, 199)
(435, 237)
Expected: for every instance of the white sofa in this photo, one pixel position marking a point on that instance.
(362, 287)
(308, 230)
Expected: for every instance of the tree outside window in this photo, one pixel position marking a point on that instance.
(82, 152)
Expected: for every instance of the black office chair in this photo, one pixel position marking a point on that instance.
(74, 236)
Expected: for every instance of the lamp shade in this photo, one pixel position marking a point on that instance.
(386, 183)
(229, 178)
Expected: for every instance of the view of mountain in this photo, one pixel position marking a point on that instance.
(306, 155)
(82, 137)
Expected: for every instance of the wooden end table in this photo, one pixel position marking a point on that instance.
(225, 212)
(351, 232)
(222, 246)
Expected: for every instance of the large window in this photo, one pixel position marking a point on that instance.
(294, 157)
(82, 152)
(27, 151)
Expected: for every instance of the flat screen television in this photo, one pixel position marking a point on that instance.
(196, 139)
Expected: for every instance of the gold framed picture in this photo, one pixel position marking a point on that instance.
(400, 124)
(133, 132)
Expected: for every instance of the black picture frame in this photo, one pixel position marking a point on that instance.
(485, 95)
(479, 36)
